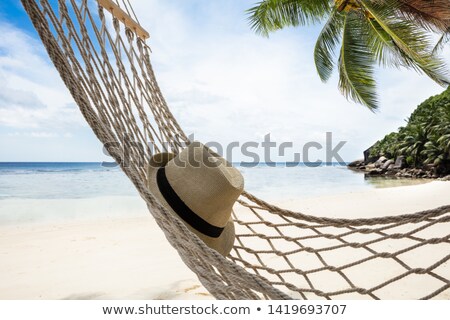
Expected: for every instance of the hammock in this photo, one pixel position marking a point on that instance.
(104, 61)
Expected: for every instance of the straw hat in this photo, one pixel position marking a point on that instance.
(200, 188)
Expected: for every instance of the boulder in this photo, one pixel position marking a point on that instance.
(400, 162)
(381, 160)
(407, 175)
(356, 163)
(367, 157)
(375, 172)
(386, 165)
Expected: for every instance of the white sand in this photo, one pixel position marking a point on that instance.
(377, 202)
(110, 257)
(106, 258)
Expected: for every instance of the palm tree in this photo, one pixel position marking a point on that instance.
(437, 150)
(368, 32)
(434, 14)
(414, 143)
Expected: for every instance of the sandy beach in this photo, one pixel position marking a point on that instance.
(110, 256)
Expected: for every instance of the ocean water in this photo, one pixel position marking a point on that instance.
(46, 180)
(87, 180)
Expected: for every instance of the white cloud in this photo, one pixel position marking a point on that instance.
(221, 81)
(31, 92)
(224, 83)
(33, 134)
(11, 97)
(42, 134)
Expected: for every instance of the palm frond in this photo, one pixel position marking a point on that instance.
(443, 40)
(412, 42)
(384, 49)
(326, 44)
(386, 52)
(271, 15)
(356, 63)
(430, 14)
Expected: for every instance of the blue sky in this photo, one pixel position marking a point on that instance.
(222, 82)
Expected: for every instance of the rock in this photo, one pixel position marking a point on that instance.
(375, 172)
(367, 158)
(407, 175)
(380, 161)
(387, 164)
(356, 163)
(400, 162)
(391, 166)
(446, 178)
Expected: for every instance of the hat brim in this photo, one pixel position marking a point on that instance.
(222, 244)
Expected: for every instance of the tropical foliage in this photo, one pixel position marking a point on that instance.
(426, 137)
(361, 34)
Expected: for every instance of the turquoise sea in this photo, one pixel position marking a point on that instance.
(45, 180)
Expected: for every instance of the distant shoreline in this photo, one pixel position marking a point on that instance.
(74, 180)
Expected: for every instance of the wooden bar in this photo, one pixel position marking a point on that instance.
(123, 17)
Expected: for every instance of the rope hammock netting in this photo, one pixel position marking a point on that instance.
(104, 61)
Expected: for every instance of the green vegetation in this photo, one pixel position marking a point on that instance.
(392, 33)
(425, 140)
